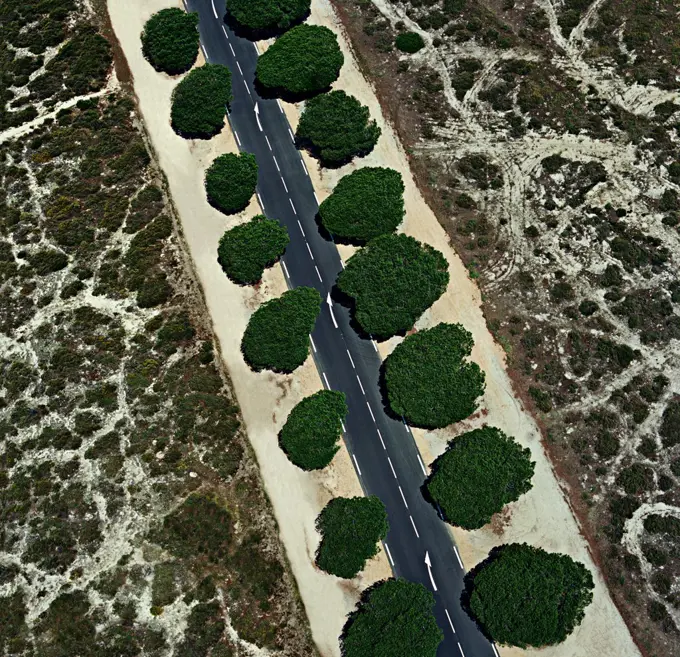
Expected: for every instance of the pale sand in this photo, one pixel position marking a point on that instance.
(265, 398)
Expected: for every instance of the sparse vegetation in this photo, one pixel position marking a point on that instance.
(170, 40)
(230, 181)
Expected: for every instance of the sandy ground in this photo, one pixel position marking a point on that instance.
(265, 398)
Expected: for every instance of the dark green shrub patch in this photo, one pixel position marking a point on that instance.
(394, 618)
(311, 433)
(170, 40)
(303, 61)
(409, 42)
(428, 380)
(481, 472)
(246, 250)
(670, 424)
(230, 181)
(199, 102)
(393, 280)
(336, 127)
(48, 261)
(365, 204)
(277, 336)
(524, 596)
(267, 17)
(350, 529)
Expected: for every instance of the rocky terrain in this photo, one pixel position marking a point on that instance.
(545, 135)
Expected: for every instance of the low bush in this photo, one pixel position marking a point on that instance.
(303, 61)
(350, 530)
(246, 250)
(523, 596)
(481, 472)
(392, 281)
(409, 42)
(428, 380)
(48, 261)
(670, 424)
(199, 102)
(394, 617)
(365, 204)
(311, 433)
(267, 16)
(277, 335)
(336, 127)
(170, 40)
(230, 181)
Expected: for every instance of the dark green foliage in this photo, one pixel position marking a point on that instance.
(394, 618)
(350, 529)
(247, 249)
(205, 628)
(393, 280)
(523, 596)
(336, 127)
(636, 479)
(658, 524)
(230, 181)
(303, 61)
(199, 101)
(607, 445)
(541, 398)
(409, 42)
(267, 16)
(365, 204)
(311, 433)
(670, 424)
(481, 472)
(277, 335)
(170, 40)
(48, 261)
(428, 380)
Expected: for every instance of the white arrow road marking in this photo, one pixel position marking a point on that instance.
(428, 563)
(257, 114)
(330, 307)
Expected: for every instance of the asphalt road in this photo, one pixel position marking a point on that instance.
(384, 452)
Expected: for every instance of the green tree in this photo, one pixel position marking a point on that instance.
(246, 250)
(277, 335)
(409, 42)
(394, 618)
(524, 596)
(200, 100)
(365, 204)
(336, 127)
(428, 380)
(230, 181)
(481, 472)
(393, 280)
(303, 61)
(170, 40)
(311, 433)
(350, 529)
(265, 17)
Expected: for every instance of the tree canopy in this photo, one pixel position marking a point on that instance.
(409, 42)
(350, 529)
(392, 281)
(247, 249)
(365, 204)
(303, 61)
(170, 40)
(481, 472)
(277, 335)
(199, 101)
(336, 127)
(311, 433)
(230, 181)
(524, 596)
(267, 17)
(428, 380)
(394, 618)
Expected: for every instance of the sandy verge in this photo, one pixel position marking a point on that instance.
(265, 398)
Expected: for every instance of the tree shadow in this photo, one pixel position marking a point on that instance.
(259, 34)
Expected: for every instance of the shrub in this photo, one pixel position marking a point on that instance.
(277, 336)
(524, 596)
(481, 472)
(636, 479)
(310, 436)
(428, 380)
(365, 204)
(230, 181)
(170, 40)
(247, 249)
(304, 61)
(350, 529)
(410, 42)
(336, 127)
(200, 100)
(670, 424)
(392, 281)
(267, 16)
(394, 618)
